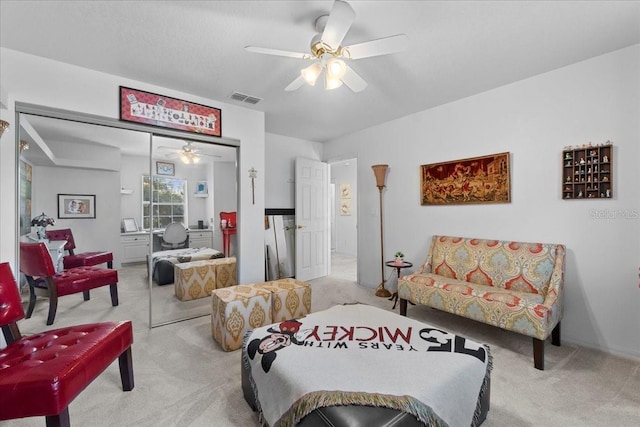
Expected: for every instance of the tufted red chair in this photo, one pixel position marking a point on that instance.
(84, 259)
(41, 374)
(37, 266)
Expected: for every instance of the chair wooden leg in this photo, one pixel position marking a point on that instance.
(109, 264)
(403, 307)
(60, 420)
(53, 307)
(538, 354)
(555, 335)
(32, 302)
(86, 295)
(126, 370)
(114, 294)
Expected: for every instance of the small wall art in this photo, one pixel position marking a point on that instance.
(165, 168)
(76, 206)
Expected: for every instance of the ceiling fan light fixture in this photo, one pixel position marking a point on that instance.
(331, 83)
(311, 73)
(336, 68)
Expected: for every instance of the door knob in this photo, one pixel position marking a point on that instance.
(299, 227)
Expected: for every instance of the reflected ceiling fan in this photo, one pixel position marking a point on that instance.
(330, 56)
(188, 154)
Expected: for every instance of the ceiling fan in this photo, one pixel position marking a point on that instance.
(329, 55)
(187, 154)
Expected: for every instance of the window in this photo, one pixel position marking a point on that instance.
(169, 201)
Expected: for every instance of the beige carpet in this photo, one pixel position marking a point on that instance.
(184, 379)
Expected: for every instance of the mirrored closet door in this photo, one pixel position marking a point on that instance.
(139, 183)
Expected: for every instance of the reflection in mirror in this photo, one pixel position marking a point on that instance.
(279, 240)
(175, 194)
(66, 157)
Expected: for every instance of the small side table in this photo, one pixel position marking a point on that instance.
(227, 232)
(56, 250)
(398, 267)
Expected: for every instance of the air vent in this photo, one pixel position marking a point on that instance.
(237, 96)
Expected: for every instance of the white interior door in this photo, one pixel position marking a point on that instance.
(312, 219)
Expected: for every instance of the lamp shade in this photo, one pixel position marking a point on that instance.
(311, 73)
(331, 83)
(380, 172)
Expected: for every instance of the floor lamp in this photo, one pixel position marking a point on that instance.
(380, 172)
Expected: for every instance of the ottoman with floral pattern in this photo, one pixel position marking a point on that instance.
(237, 309)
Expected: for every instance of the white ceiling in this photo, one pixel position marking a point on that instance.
(456, 49)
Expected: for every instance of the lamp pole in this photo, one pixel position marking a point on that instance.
(380, 172)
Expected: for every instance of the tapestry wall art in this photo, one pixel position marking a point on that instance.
(484, 179)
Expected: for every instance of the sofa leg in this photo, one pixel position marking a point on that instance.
(403, 307)
(113, 289)
(86, 295)
(60, 420)
(538, 354)
(555, 335)
(126, 370)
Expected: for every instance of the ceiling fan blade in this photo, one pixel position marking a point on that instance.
(353, 80)
(340, 19)
(277, 52)
(384, 46)
(295, 84)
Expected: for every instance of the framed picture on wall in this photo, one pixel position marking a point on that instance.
(164, 111)
(201, 187)
(165, 168)
(484, 179)
(76, 206)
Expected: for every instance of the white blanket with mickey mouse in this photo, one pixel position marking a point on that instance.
(362, 355)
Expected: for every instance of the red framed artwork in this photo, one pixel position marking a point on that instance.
(163, 111)
(484, 179)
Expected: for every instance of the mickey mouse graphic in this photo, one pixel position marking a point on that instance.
(288, 332)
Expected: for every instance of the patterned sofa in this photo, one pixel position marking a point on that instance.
(515, 286)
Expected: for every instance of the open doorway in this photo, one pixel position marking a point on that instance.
(343, 195)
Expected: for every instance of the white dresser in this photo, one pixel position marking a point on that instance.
(134, 247)
(200, 238)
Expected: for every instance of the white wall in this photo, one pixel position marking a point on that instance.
(281, 153)
(36, 80)
(89, 234)
(345, 226)
(595, 100)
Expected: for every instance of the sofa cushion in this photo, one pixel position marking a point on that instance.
(521, 312)
(516, 266)
(489, 293)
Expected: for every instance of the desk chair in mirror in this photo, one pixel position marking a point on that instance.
(174, 237)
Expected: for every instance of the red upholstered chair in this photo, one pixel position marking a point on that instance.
(84, 259)
(41, 374)
(37, 266)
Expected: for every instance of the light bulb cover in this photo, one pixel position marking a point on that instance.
(336, 68)
(331, 83)
(311, 73)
